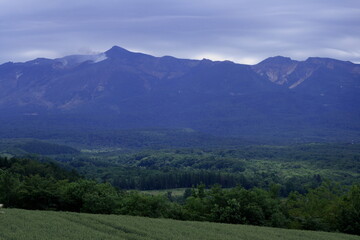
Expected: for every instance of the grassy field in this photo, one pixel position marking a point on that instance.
(175, 192)
(18, 224)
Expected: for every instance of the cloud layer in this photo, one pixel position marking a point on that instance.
(244, 31)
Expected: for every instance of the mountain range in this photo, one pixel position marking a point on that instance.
(313, 100)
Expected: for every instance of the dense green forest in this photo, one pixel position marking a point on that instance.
(294, 167)
(31, 184)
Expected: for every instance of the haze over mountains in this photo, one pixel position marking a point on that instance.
(316, 99)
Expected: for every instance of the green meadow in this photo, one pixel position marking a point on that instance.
(18, 224)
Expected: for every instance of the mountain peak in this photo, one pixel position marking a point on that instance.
(116, 50)
(277, 60)
(276, 69)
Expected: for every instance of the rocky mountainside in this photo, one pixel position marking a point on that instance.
(123, 89)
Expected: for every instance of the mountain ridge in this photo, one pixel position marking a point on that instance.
(123, 89)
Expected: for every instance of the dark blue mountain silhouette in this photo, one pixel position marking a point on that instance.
(278, 98)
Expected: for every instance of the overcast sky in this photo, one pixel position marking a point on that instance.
(244, 31)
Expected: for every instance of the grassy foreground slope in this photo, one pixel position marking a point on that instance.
(30, 225)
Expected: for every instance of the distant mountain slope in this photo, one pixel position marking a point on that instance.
(316, 98)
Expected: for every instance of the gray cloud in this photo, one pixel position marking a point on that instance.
(239, 30)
